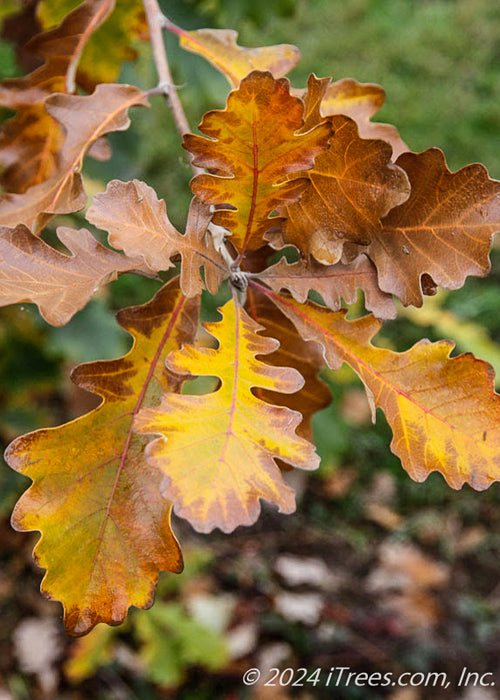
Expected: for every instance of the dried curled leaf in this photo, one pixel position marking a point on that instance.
(252, 146)
(137, 223)
(443, 231)
(30, 142)
(217, 451)
(220, 48)
(354, 185)
(332, 282)
(85, 119)
(95, 499)
(444, 413)
(59, 284)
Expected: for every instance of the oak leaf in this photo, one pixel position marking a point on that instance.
(220, 48)
(85, 119)
(109, 46)
(442, 232)
(61, 48)
(137, 223)
(332, 282)
(95, 499)
(444, 413)
(359, 101)
(252, 146)
(30, 147)
(31, 141)
(217, 451)
(354, 185)
(59, 284)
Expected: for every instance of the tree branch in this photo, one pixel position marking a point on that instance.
(156, 22)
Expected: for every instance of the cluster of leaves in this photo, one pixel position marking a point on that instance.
(305, 172)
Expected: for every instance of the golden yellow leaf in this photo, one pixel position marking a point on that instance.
(219, 47)
(293, 351)
(217, 451)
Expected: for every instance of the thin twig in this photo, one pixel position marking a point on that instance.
(156, 22)
(166, 85)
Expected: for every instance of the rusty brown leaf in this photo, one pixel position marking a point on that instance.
(442, 233)
(353, 185)
(30, 142)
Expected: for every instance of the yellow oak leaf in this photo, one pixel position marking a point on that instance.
(217, 451)
(220, 48)
(105, 527)
(295, 352)
(444, 412)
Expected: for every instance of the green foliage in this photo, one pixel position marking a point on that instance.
(173, 642)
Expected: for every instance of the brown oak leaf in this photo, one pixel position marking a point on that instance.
(85, 119)
(442, 233)
(137, 222)
(353, 185)
(31, 141)
(332, 282)
(59, 284)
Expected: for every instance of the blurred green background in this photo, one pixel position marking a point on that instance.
(439, 62)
